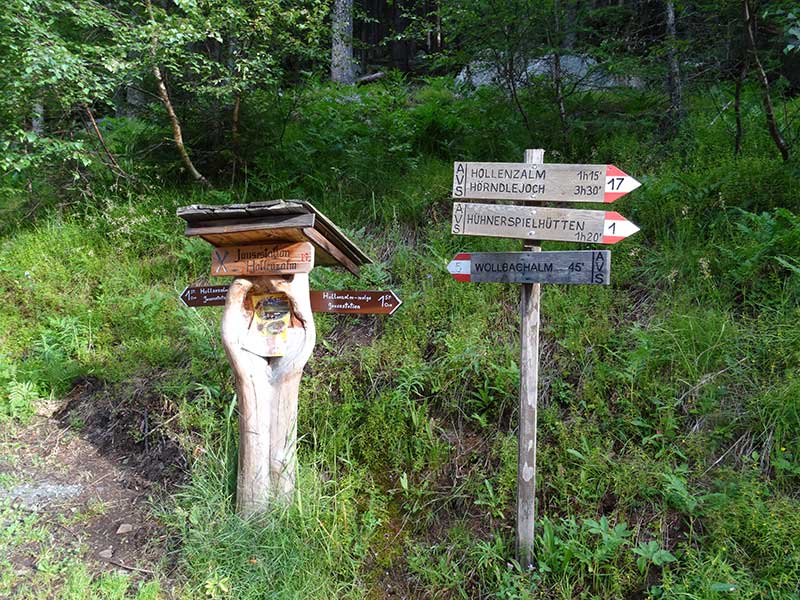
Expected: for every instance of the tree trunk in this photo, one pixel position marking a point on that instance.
(558, 76)
(570, 25)
(177, 133)
(342, 70)
(674, 84)
(37, 118)
(737, 108)
(267, 389)
(235, 148)
(112, 160)
(772, 124)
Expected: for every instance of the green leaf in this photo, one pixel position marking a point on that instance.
(663, 557)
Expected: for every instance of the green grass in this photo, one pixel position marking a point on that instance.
(57, 573)
(669, 457)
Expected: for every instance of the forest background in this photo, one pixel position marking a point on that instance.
(670, 401)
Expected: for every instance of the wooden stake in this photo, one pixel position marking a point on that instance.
(528, 394)
(267, 389)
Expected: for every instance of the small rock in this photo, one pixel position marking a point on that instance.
(124, 528)
(107, 553)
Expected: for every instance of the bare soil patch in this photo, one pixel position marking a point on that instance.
(90, 474)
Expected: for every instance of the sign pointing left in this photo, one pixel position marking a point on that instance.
(571, 267)
(207, 295)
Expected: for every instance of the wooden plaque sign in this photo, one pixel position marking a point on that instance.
(534, 223)
(555, 182)
(573, 267)
(327, 301)
(262, 259)
(353, 302)
(205, 295)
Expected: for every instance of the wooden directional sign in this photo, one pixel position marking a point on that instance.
(336, 301)
(533, 223)
(351, 302)
(262, 259)
(574, 267)
(208, 295)
(523, 181)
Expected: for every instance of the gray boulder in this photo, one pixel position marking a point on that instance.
(584, 72)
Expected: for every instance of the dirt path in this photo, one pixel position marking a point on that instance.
(77, 492)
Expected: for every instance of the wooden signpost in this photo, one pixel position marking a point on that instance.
(356, 302)
(525, 181)
(575, 267)
(204, 295)
(535, 223)
(268, 330)
(535, 181)
(262, 259)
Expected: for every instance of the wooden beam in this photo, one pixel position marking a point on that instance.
(251, 224)
(317, 238)
(530, 297)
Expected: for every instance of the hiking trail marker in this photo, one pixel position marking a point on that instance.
(262, 259)
(353, 302)
(268, 330)
(535, 181)
(524, 181)
(575, 267)
(535, 223)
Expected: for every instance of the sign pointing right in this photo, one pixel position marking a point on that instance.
(537, 223)
(546, 182)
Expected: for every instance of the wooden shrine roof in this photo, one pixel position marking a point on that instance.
(274, 221)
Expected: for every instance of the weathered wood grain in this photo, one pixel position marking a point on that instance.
(530, 301)
(554, 182)
(528, 222)
(267, 390)
(567, 267)
(262, 259)
(355, 302)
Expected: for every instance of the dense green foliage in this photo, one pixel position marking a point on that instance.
(669, 402)
(669, 453)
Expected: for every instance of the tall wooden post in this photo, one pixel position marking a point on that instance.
(267, 388)
(528, 395)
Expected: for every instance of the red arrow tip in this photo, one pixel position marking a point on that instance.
(614, 171)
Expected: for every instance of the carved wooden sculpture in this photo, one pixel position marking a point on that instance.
(267, 389)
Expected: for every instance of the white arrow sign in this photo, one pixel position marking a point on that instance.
(535, 223)
(550, 181)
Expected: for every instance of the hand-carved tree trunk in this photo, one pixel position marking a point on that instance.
(267, 389)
